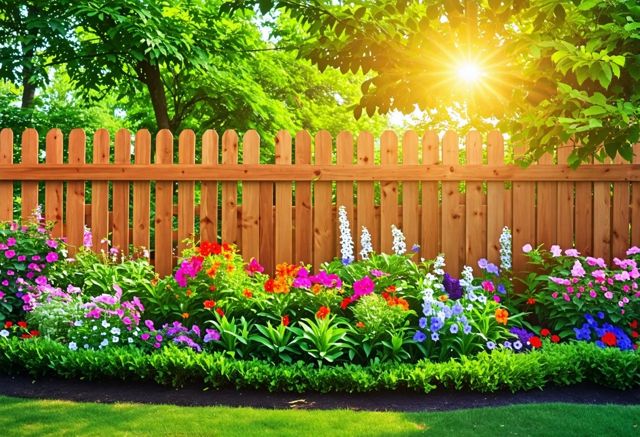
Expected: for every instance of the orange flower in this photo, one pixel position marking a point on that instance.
(230, 268)
(323, 312)
(209, 304)
(390, 289)
(316, 288)
(220, 312)
(212, 287)
(502, 316)
(443, 298)
(212, 271)
(398, 301)
(189, 293)
(359, 325)
(247, 293)
(185, 315)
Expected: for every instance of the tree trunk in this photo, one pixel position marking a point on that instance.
(28, 89)
(150, 76)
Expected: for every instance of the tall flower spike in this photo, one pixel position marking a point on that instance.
(505, 249)
(399, 245)
(365, 243)
(346, 242)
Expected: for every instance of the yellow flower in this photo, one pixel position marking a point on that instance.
(443, 298)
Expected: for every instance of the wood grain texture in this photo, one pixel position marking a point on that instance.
(324, 235)
(6, 187)
(230, 191)
(431, 230)
(495, 199)
(121, 193)
(410, 192)
(635, 201)
(164, 207)
(142, 194)
(345, 190)
(602, 220)
(209, 189)
(186, 190)
(75, 194)
(620, 216)
(565, 210)
(584, 216)
(476, 218)
(284, 220)
(100, 194)
(365, 211)
(54, 196)
(546, 204)
(524, 217)
(388, 191)
(453, 223)
(29, 189)
(304, 216)
(251, 199)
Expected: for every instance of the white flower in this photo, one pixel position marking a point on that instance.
(105, 324)
(115, 331)
(104, 343)
(4, 333)
(95, 328)
(365, 243)
(86, 346)
(130, 339)
(73, 346)
(505, 249)
(438, 265)
(115, 339)
(346, 242)
(78, 323)
(399, 245)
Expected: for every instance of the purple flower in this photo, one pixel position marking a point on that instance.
(452, 287)
(377, 273)
(483, 263)
(211, 335)
(149, 325)
(87, 238)
(436, 324)
(10, 253)
(41, 280)
(492, 268)
(183, 339)
(145, 336)
(415, 248)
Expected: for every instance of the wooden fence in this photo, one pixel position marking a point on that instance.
(287, 210)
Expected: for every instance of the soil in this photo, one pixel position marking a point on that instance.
(439, 400)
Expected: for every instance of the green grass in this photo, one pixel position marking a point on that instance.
(39, 417)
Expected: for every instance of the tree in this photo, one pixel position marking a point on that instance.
(553, 70)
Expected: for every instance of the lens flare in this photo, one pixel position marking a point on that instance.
(469, 72)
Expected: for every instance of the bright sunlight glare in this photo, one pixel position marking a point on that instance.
(470, 72)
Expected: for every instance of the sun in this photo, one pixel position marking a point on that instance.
(469, 72)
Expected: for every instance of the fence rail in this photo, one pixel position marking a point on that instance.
(446, 196)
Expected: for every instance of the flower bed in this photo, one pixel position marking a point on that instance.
(357, 313)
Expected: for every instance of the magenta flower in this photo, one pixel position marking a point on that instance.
(254, 267)
(377, 273)
(51, 257)
(633, 250)
(302, 279)
(211, 335)
(145, 336)
(22, 258)
(577, 270)
(11, 241)
(52, 244)
(362, 287)
(10, 253)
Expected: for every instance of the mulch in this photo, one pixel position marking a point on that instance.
(438, 400)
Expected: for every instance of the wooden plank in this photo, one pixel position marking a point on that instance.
(430, 242)
(584, 217)
(266, 227)
(495, 198)
(564, 206)
(6, 187)
(284, 220)
(251, 199)
(304, 217)
(121, 193)
(324, 173)
(30, 188)
(324, 240)
(388, 191)
(100, 194)
(230, 191)
(524, 217)
(476, 219)
(344, 190)
(54, 195)
(547, 201)
(186, 190)
(620, 216)
(410, 192)
(453, 229)
(141, 194)
(602, 220)
(209, 189)
(164, 207)
(635, 201)
(365, 212)
(75, 194)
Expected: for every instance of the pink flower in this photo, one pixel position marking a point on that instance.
(488, 286)
(633, 250)
(362, 287)
(377, 273)
(10, 254)
(2, 295)
(11, 241)
(555, 250)
(52, 244)
(51, 257)
(577, 270)
(608, 295)
(622, 276)
(572, 252)
(145, 336)
(554, 295)
(599, 275)
(254, 267)
(527, 248)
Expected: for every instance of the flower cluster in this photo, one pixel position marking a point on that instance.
(346, 241)
(18, 329)
(505, 249)
(177, 334)
(366, 247)
(604, 334)
(399, 246)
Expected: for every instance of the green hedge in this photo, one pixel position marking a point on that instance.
(563, 364)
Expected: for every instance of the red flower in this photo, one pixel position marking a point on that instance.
(247, 293)
(22, 324)
(555, 338)
(545, 332)
(212, 288)
(531, 301)
(634, 334)
(268, 286)
(8, 324)
(345, 303)
(209, 304)
(220, 312)
(34, 332)
(323, 312)
(226, 247)
(609, 338)
(634, 324)
(360, 325)
(535, 342)
(284, 320)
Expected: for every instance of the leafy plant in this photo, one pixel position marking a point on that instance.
(323, 339)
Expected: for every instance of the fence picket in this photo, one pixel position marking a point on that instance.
(54, 197)
(251, 199)
(476, 218)
(6, 187)
(186, 189)
(304, 217)
(564, 206)
(142, 194)
(524, 218)
(209, 190)
(430, 242)
(388, 191)
(547, 199)
(29, 189)
(323, 231)
(635, 201)
(620, 215)
(410, 193)
(453, 235)
(121, 193)
(230, 190)
(602, 219)
(495, 198)
(344, 190)
(365, 210)
(164, 207)
(100, 194)
(284, 223)
(75, 193)
(584, 217)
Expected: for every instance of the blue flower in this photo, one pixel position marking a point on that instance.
(422, 322)
(346, 261)
(501, 289)
(457, 308)
(415, 248)
(491, 345)
(483, 263)
(436, 324)
(466, 329)
(600, 315)
(600, 344)
(589, 318)
(492, 268)
(435, 336)
(507, 344)
(454, 328)
(517, 345)
(583, 333)
(419, 336)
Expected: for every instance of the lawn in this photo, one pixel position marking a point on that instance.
(45, 417)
